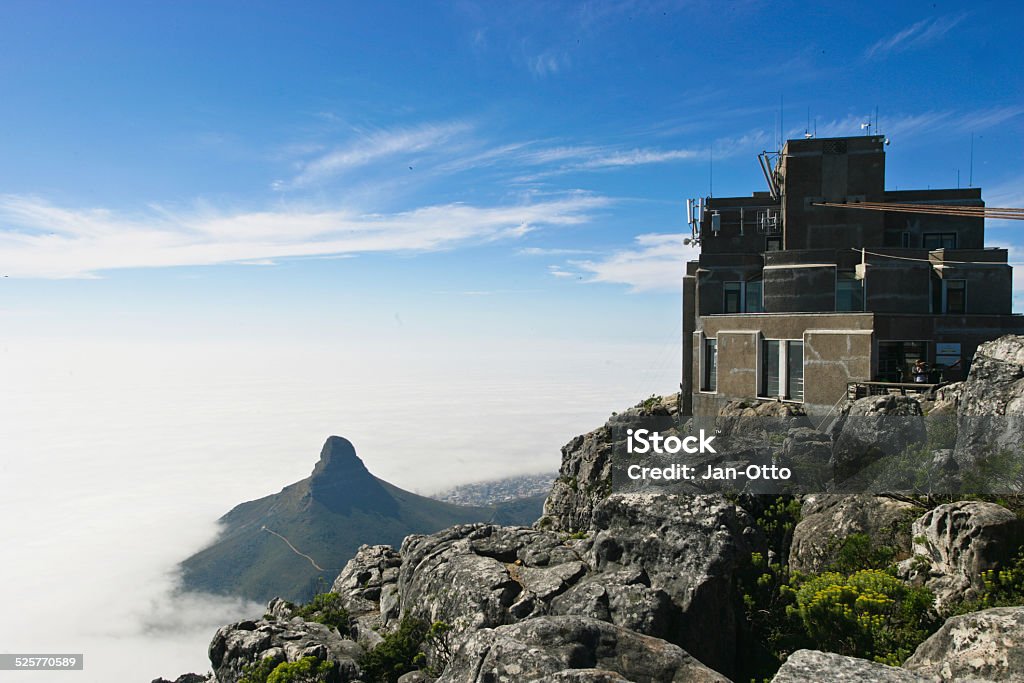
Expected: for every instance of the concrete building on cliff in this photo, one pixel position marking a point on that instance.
(795, 295)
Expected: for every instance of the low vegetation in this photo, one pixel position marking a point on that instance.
(413, 646)
(306, 670)
(856, 607)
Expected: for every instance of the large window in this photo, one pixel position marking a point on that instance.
(753, 297)
(782, 369)
(733, 297)
(939, 240)
(849, 292)
(743, 297)
(955, 296)
(949, 296)
(709, 381)
(897, 358)
(795, 370)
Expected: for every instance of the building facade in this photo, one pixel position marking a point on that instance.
(792, 299)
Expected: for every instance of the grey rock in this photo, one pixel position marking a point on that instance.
(990, 403)
(364, 577)
(812, 666)
(248, 642)
(569, 648)
(585, 476)
(415, 677)
(960, 541)
(368, 586)
(870, 429)
(189, 678)
(827, 519)
(808, 453)
(624, 598)
(479, 576)
(980, 646)
(691, 548)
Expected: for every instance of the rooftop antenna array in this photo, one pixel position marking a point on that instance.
(770, 172)
(694, 215)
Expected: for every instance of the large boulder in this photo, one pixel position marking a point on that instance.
(869, 430)
(657, 564)
(812, 666)
(373, 570)
(368, 586)
(690, 548)
(480, 576)
(572, 648)
(955, 543)
(826, 520)
(624, 598)
(980, 646)
(236, 646)
(990, 403)
(585, 476)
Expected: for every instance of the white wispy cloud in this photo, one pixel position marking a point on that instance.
(656, 262)
(541, 251)
(547, 64)
(372, 147)
(41, 240)
(637, 157)
(906, 126)
(915, 36)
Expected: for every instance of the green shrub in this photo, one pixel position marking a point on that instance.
(858, 551)
(326, 609)
(259, 672)
(306, 670)
(1003, 588)
(398, 653)
(868, 614)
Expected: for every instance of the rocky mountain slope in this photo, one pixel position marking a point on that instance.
(656, 587)
(325, 517)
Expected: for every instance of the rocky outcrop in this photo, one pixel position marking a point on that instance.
(990, 404)
(812, 666)
(657, 564)
(585, 476)
(981, 646)
(368, 586)
(873, 428)
(690, 547)
(572, 648)
(956, 542)
(246, 643)
(481, 576)
(826, 520)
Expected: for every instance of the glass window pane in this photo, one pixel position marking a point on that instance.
(770, 367)
(940, 240)
(711, 365)
(795, 370)
(849, 293)
(754, 304)
(956, 296)
(732, 297)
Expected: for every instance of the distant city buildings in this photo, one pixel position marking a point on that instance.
(795, 294)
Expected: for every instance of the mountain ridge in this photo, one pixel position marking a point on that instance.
(293, 542)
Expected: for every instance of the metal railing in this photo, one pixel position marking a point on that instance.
(856, 390)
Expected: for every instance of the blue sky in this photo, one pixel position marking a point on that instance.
(487, 168)
(230, 229)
